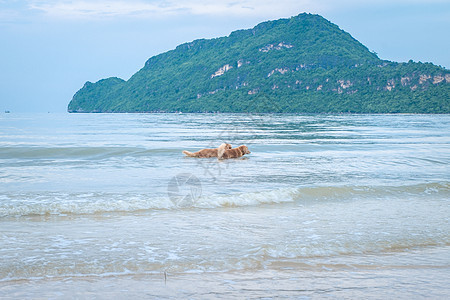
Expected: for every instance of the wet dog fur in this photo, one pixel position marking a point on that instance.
(233, 153)
(206, 153)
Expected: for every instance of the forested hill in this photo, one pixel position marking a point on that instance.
(304, 64)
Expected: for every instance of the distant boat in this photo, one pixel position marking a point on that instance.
(7, 111)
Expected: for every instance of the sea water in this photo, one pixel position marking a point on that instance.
(325, 206)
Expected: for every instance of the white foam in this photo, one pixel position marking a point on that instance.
(247, 199)
(62, 204)
(89, 203)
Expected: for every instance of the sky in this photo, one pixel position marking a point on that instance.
(49, 48)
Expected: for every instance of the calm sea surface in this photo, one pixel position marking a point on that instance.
(325, 206)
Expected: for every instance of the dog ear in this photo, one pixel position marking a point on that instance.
(242, 149)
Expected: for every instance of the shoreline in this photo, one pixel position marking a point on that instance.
(283, 280)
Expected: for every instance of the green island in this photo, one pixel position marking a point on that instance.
(304, 64)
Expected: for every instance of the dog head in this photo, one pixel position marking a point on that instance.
(244, 149)
(225, 146)
(222, 148)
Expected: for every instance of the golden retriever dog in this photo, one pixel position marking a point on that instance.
(233, 153)
(206, 153)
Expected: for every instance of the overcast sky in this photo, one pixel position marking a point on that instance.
(50, 48)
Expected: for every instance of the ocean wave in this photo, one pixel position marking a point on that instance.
(40, 152)
(57, 203)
